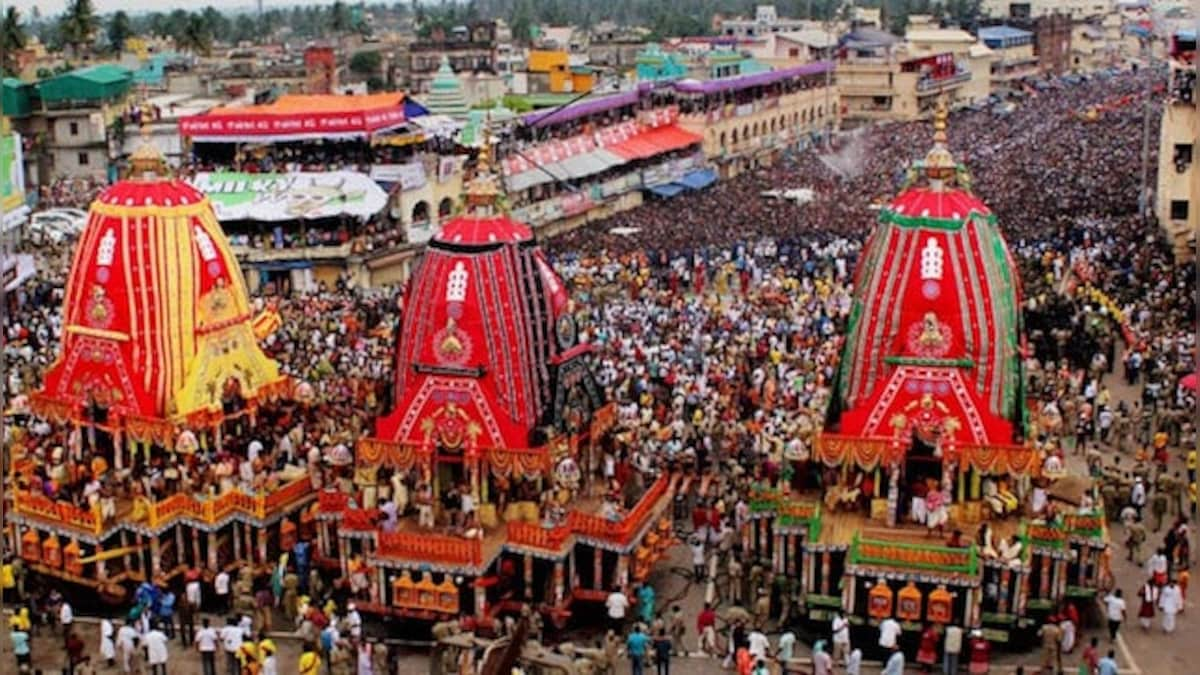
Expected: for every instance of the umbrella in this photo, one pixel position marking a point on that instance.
(1188, 381)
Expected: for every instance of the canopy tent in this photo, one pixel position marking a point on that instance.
(666, 190)
(698, 179)
(299, 118)
(274, 197)
(651, 142)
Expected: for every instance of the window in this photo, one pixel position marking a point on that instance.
(83, 161)
(1179, 209)
(74, 126)
(1183, 155)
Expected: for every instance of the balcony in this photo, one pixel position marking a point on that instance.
(931, 85)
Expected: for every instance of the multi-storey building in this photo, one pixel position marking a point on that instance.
(469, 50)
(1034, 9)
(75, 111)
(880, 77)
(1013, 49)
(746, 121)
(1178, 190)
(766, 20)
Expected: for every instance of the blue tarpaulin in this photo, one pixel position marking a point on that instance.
(666, 190)
(698, 179)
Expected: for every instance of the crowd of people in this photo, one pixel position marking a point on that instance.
(717, 319)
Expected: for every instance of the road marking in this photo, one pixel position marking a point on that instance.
(1127, 655)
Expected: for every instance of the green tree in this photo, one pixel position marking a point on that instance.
(77, 25)
(195, 36)
(366, 63)
(119, 30)
(12, 38)
(339, 18)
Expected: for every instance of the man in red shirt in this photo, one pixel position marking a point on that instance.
(706, 626)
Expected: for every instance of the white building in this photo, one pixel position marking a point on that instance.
(766, 21)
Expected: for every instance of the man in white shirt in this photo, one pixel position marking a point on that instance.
(194, 593)
(66, 616)
(616, 604)
(889, 632)
(156, 650)
(1170, 601)
(1114, 610)
(952, 649)
(221, 588)
(759, 645)
(841, 638)
(206, 644)
(127, 637)
(231, 642)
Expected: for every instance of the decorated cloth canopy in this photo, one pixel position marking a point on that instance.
(933, 344)
(488, 349)
(157, 323)
(298, 117)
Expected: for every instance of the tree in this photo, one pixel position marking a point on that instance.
(195, 36)
(12, 38)
(78, 25)
(119, 30)
(339, 18)
(366, 63)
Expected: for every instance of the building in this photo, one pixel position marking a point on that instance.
(1013, 49)
(799, 46)
(77, 111)
(445, 95)
(1178, 190)
(766, 20)
(1077, 10)
(746, 121)
(552, 71)
(1053, 43)
(321, 65)
(469, 49)
(653, 64)
(880, 77)
(1091, 48)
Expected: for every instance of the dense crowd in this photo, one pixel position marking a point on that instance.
(718, 316)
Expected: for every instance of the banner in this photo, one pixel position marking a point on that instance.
(12, 182)
(294, 196)
(409, 176)
(300, 124)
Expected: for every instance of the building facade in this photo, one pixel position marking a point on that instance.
(1013, 49)
(747, 121)
(766, 20)
(1178, 191)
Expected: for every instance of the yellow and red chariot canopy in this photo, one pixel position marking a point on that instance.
(157, 322)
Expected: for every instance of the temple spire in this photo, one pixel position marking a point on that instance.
(483, 191)
(940, 166)
(148, 161)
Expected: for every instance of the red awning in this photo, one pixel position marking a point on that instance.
(298, 117)
(654, 142)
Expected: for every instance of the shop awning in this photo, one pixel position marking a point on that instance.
(698, 179)
(297, 118)
(654, 142)
(666, 190)
(591, 163)
(539, 175)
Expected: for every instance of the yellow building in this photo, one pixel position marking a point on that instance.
(747, 120)
(1178, 190)
(550, 70)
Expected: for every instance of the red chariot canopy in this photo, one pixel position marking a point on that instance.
(298, 117)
